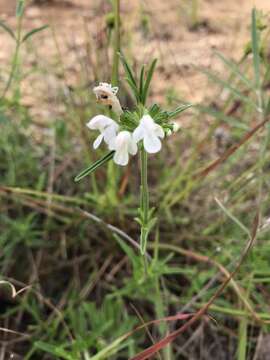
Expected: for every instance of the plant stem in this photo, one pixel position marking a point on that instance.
(14, 65)
(194, 13)
(116, 43)
(144, 201)
(111, 171)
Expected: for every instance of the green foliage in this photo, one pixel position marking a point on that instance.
(88, 287)
(94, 166)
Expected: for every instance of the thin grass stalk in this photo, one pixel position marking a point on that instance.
(194, 13)
(15, 59)
(144, 200)
(111, 171)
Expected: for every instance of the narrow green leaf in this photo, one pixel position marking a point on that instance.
(19, 8)
(229, 87)
(233, 218)
(219, 115)
(242, 339)
(34, 31)
(154, 110)
(267, 110)
(148, 80)
(134, 89)
(94, 166)
(235, 69)
(178, 110)
(141, 80)
(7, 29)
(128, 70)
(255, 49)
(53, 349)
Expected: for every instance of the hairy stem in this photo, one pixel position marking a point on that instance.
(144, 201)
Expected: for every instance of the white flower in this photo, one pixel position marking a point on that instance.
(176, 127)
(108, 129)
(123, 145)
(149, 132)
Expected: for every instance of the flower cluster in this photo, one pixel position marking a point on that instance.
(119, 139)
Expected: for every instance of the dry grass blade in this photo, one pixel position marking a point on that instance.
(231, 150)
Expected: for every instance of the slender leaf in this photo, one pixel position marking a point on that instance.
(34, 31)
(19, 8)
(267, 110)
(141, 80)
(134, 89)
(128, 70)
(219, 115)
(148, 80)
(178, 110)
(233, 218)
(255, 49)
(94, 166)
(54, 350)
(229, 87)
(235, 69)
(7, 29)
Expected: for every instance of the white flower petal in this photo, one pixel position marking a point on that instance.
(138, 133)
(112, 143)
(108, 129)
(159, 131)
(150, 132)
(99, 122)
(123, 144)
(121, 158)
(97, 142)
(152, 144)
(110, 132)
(132, 147)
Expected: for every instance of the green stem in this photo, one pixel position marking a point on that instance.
(144, 202)
(116, 43)
(14, 65)
(194, 13)
(111, 171)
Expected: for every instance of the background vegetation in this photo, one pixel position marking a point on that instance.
(66, 247)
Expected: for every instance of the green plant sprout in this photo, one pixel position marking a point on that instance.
(135, 130)
(19, 39)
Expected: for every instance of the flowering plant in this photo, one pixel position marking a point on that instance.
(141, 129)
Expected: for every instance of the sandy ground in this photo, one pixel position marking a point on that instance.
(78, 24)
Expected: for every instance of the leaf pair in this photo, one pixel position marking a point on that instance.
(141, 89)
(8, 30)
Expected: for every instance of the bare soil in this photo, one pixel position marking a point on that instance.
(223, 25)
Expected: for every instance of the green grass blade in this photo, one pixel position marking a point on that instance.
(242, 339)
(20, 8)
(141, 80)
(255, 49)
(94, 166)
(229, 87)
(148, 80)
(235, 69)
(134, 89)
(7, 29)
(34, 31)
(178, 110)
(53, 350)
(267, 109)
(233, 218)
(128, 70)
(220, 116)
